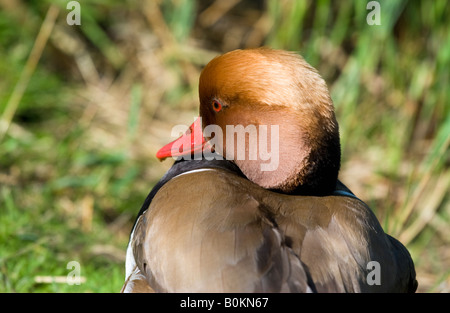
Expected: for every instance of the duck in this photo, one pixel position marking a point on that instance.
(224, 219)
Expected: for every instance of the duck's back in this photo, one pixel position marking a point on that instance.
(343, 246)
(211, 230)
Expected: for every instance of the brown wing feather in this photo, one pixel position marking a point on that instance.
(222, 233)
(136, 283)
(213, 242)
(336, 238)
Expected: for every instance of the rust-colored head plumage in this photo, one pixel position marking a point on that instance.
(274, 87)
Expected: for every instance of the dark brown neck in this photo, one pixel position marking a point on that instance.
(321, 173)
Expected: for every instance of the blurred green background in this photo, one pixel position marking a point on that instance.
(84, 108)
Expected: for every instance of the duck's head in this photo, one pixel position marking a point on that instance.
(279, 98)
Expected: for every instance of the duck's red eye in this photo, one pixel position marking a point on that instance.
(216, 106)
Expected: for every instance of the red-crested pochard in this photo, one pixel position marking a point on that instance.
(234, 225)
